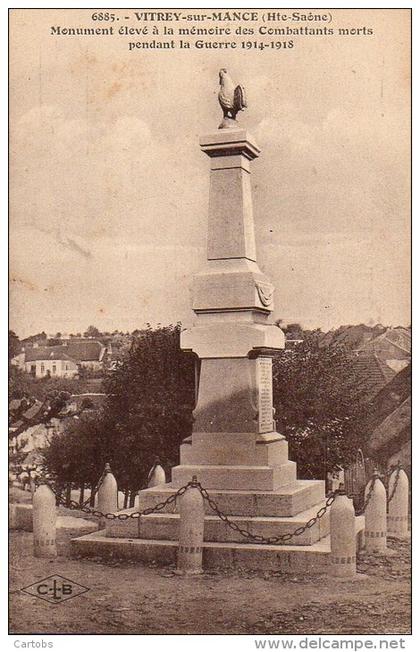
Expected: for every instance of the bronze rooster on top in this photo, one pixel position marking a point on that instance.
(232, 99)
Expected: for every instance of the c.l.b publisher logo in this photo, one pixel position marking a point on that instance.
(55, 589)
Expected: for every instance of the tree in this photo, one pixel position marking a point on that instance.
(53, 341)
(14, 344)
(319, 398)
(39, 337)
(19, 383)
(84, 373)
(294, 332)
(151, 396)
(77, 456)
(92, 331)
(148, 412)
(23, 384)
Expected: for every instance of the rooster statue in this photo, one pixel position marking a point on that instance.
(231, 98)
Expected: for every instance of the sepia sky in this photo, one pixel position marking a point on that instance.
(109, 188)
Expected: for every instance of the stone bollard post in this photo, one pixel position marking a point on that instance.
(44, 522)
(343, 536)
(375, 515)
(191, 532)
(107, 495)
(12, 516)
(397, 520)
(32, 485)
(156, 474)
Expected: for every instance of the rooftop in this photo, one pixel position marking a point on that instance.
(79, 351)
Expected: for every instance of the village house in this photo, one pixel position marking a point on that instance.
(63, 360)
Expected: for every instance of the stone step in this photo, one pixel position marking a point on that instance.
(314, 559)
(166, 527)
(235, 449)
(286, 501)
(252, 478)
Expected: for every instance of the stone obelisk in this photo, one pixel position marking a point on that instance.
(232, 337)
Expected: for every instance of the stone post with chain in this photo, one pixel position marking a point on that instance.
(375, 515)
(191, 532)
(44, 522)
(343, 536)
(156, 475)
(107, 495)
(397, 519)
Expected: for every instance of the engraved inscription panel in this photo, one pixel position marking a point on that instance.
(265, 394)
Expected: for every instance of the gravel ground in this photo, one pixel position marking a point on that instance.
(128, 598)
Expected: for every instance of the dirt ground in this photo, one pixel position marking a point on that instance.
(128, 598)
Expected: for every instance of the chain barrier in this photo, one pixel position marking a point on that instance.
(64, 501)
(255, 538)
(385, 476)
(74, 505)
(92, 493)
(369, 494)
(394, 488)
(95, 490)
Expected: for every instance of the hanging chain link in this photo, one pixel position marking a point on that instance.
(387, 476)
(384, 476)
(394, 488)
(74, 505)
(257, 538)
(64, 501)
(94, 492)
(369, 494)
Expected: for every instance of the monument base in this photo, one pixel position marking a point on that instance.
(267, 513)
(232, 556)
(313, 559)
(261, 512)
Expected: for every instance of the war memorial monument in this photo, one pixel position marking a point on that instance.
(235, 451)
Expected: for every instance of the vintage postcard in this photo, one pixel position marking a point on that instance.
(210, 325)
